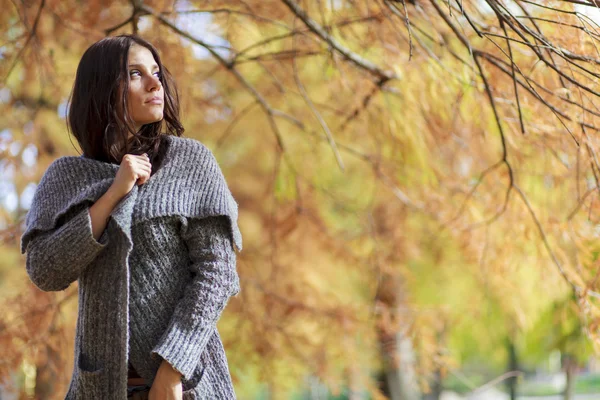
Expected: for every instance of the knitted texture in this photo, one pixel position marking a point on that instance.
(155, 283)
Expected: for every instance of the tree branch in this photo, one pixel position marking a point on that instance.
(348, 54)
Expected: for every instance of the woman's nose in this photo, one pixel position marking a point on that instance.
(155, 83)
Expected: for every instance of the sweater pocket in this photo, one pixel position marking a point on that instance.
(203, 390)
(91, 379)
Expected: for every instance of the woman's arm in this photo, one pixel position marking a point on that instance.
(56, 258)
(215, 280)
(101, 209)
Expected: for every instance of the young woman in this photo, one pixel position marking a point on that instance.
(146, 224)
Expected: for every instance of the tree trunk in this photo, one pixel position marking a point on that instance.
(397, 353)
(435, 387)
(398, 360)
(354, 387)
(513, 365)
(569, 367)
(315, 389)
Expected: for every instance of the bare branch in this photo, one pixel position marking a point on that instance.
(228, 65)
(348, 54)
(315, 112)
(394, 9)
(31, 36)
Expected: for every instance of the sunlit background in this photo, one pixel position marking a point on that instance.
(417, 184)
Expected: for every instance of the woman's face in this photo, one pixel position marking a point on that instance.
(146, 95)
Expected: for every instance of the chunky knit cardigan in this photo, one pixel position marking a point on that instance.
(155, 283)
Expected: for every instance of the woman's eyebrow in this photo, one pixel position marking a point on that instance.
(141, 65)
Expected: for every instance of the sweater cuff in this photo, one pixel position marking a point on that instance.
(182, 347)
(83, 234)
(76, 239)
(56, 258)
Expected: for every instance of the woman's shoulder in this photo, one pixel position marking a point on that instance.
(187, 150)
(186, 142)
(77, 168)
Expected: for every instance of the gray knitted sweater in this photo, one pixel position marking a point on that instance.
(155, 283)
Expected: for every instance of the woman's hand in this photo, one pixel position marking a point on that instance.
(133, 170)
(167, 384)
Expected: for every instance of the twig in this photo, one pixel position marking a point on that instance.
(229, 66)
(31, 35)
(314, 110)
(348, 54)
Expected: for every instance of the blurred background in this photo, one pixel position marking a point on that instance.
(417, 181)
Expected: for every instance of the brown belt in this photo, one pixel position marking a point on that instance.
(133, 378)
(136, 381)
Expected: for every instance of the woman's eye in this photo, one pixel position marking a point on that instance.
(135, 71)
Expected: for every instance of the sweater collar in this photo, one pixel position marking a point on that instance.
(189, 183)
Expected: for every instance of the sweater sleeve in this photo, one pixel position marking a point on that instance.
(215, 280)
(57, 257)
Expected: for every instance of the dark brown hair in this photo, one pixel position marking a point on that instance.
(98, 116)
